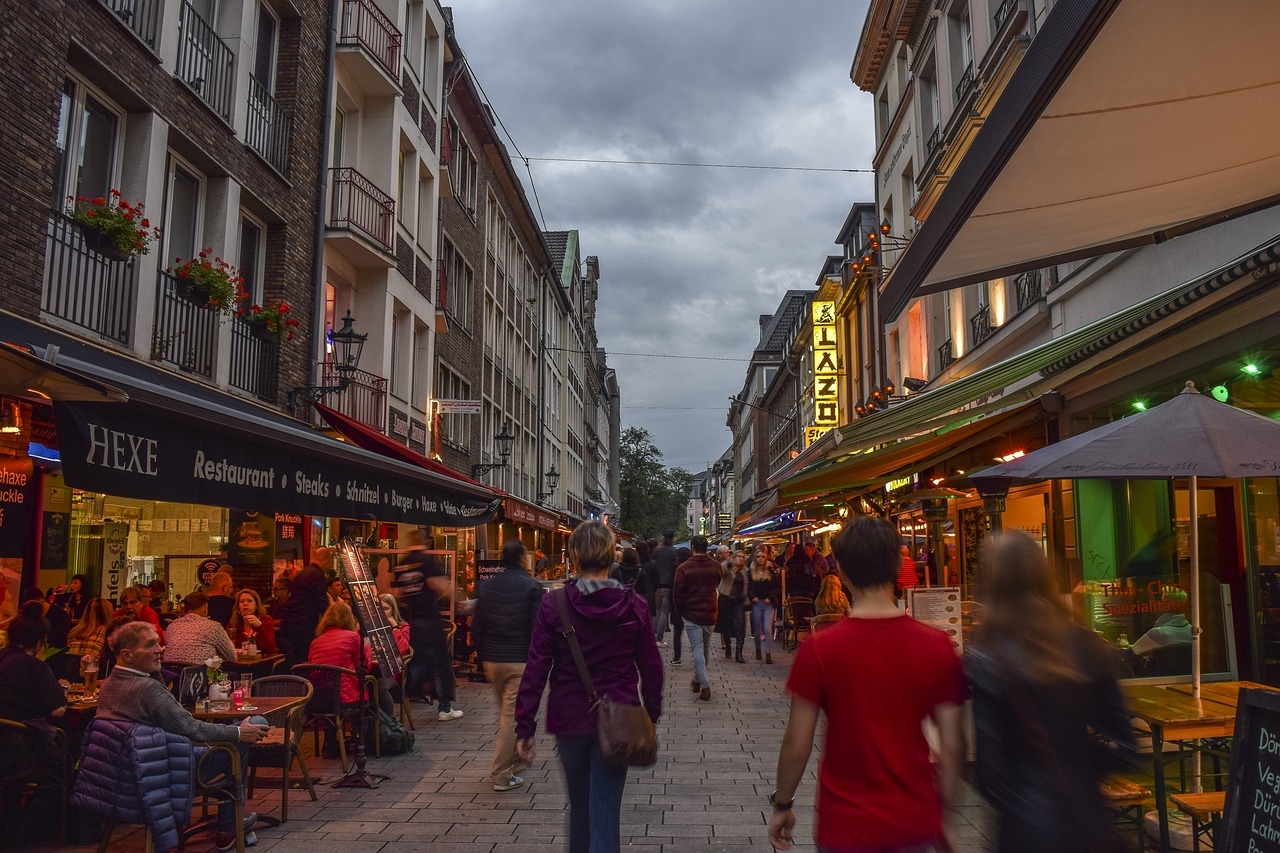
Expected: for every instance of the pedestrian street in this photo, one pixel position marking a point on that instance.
(708, 790)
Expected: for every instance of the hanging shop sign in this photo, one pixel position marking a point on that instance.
(826, 372)
(515, 510)
(138, 452)
(17, 497)
(459, 407)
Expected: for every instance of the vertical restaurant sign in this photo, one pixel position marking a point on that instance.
(17, 496)
(115, 560)
(826, 372)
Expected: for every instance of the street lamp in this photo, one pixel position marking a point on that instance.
(503, 440)
(553, 480)
(347, 346)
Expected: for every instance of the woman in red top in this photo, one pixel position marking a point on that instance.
(338, 643)
(249, 621)
(134, 603)
(399, 627)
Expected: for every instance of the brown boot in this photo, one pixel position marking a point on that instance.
(705, 694)
(768, 658)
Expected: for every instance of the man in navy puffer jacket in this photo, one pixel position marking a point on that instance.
(506, 607)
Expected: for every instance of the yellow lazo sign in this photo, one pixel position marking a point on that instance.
(826, 372)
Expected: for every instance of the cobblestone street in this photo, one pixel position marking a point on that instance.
(707, 792)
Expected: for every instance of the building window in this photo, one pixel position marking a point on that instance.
(264, 51)
(88, 141)
(451, 386)
(339, 137)
(457, 289)
(253, 253)
(182, 231)
(462, 172)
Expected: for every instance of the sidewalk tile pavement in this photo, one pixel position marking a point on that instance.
(707, 792)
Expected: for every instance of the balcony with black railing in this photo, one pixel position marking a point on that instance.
(931, 144)
(267, 131)
(358, 207)
(185, 333)
(364, 399)
(1003, 11)
(966, 81)
(980, 325)
(84, 285)
(1030, 288)
(369, 46)
(140, 16)
(205, 63)
(255, 360)
(946, 355)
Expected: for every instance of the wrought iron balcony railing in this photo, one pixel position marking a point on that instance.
(1030, 288)
(358, 204)
(205, 63)
(931, 145)
(268, 128)
(980, 327)
(365, 24)
(966, 80)
(186, 331)
(364, 399)
(85, 287)
(255, 360)
(1003, 11)
(141, 16)
(946, 355)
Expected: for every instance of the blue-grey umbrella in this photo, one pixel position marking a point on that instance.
(1189, 436)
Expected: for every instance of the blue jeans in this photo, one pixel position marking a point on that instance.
(762, 624)
(220, 764)
(595, 796)
(699, 643)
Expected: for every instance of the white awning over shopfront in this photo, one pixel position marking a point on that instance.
(1127, 122)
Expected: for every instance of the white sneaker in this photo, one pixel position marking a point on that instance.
(445, 716)
(662, 644)
(512, 783)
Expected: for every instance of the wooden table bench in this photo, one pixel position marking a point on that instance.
(1205, 810)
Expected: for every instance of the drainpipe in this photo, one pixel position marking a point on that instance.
(322, 186)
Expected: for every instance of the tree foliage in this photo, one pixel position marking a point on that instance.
(654, 497)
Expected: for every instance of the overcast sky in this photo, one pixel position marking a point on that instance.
(689, 257)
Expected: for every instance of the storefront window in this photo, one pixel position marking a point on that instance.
(1135, 570)
(1262, 542)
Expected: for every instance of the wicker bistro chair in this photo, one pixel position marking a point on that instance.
(406, 718)
(326, 705)
(58, 776)
(283, 752)
(795, 618)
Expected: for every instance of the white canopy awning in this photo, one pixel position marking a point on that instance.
(1127, 122)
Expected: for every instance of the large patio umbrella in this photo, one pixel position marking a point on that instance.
(1189, 436)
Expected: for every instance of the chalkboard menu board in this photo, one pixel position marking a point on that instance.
(1251, 820)
(355, 574)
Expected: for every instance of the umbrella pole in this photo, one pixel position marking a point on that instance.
(1195, 588)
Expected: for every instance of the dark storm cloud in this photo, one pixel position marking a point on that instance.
(689, 257)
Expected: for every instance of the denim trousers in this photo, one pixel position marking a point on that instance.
(762, 624)
(504, 680)
(219, 764)
(595, 796)
(700, 644)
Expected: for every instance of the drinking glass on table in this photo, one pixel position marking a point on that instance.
(245, 686)
(89, 672)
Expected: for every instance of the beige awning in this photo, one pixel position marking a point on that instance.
(1127, 122)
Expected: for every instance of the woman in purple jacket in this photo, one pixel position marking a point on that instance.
(612, 626)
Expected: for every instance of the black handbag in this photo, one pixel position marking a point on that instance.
(627, 736)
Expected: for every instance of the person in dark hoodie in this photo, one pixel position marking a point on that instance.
(696, 600)
(664, 566)
(612, 627)
(628, 572)
(506, 608)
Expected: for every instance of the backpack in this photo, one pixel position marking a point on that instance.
(396, 739)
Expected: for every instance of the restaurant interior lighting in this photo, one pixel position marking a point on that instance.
(1251, 369)
(1139, 405)
(1220, 393)
(10, 416)
(1009, 457)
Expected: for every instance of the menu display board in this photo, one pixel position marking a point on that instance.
(359, 580)
(938, 606)
(486, 569)
(1251, 820)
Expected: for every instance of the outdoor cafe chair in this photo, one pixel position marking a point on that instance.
(284, 752)
(326, 705)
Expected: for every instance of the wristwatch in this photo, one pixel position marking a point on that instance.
(780, 807)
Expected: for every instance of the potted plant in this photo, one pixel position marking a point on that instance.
(112, 226)
(212, 279)
(219, 682)
(274, 318)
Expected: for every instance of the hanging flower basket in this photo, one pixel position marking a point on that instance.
(274, 319)
(111, 226)
(210, 280)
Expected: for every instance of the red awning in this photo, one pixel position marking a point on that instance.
(372, 440)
